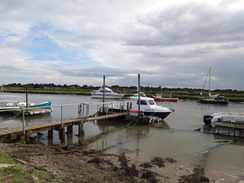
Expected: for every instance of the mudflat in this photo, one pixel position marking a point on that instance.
(76, 163)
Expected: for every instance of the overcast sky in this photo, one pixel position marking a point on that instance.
(167, 42)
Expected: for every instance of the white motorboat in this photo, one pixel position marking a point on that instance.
(223, 117)
(108, 94)
(148, 107)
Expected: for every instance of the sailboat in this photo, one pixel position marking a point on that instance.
(211, 99)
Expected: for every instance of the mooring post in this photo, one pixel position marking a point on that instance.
(50, 134)
(69, 129)
(62, 135)
(50, 137)
(81, 129)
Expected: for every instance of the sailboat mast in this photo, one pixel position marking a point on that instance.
(209, 80)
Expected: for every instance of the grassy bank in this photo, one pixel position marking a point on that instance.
(186, 93)
(19, 174)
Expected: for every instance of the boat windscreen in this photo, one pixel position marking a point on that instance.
(151, 102)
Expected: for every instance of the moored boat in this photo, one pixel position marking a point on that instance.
(148, 107)
(42, 105)
(17, 106)
(107, 93)
(162, 97)
(223, 117)
(211, 99)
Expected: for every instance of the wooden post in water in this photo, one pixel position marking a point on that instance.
(61, 135)
(50, 134)
(69, 130)
(50, 137)
(81, 129)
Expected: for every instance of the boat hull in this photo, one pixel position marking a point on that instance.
(161, 115)
(166, 99)
(8, 109)
(213, 101)
(44, 105)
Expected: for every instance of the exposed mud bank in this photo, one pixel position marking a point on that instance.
(79, 164)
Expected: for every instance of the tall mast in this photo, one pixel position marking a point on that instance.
(209, 79)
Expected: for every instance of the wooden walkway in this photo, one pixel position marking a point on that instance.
(230, 127)
(26, 131)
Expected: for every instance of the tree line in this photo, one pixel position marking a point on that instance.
(117, 87)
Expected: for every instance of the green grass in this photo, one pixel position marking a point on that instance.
(5, 158)
(18, 174)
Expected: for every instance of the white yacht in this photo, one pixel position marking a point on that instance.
(148, 107)
(108, 94)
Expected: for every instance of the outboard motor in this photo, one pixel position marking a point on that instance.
(207, 119)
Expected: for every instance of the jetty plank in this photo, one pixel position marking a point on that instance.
(230, 125)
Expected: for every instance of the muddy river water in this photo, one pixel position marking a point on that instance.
(182, 135)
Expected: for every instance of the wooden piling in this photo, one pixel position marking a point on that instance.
(69, 130)
(61, 135)
(81, 129)
(50, 134)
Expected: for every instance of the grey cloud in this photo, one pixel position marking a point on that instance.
(189, 23)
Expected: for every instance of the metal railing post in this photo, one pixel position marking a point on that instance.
(79, 111)
(87, 110)
(23, 119)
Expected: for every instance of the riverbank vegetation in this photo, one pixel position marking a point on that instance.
(182, 93)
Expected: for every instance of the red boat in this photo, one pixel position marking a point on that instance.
(163, 97)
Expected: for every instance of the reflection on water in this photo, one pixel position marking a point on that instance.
(175, 137)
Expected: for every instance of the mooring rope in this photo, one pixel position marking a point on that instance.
(94, 138)
(12, 118)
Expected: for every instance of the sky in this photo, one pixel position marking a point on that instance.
(170, 43)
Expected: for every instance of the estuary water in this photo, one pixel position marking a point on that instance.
(182, 135)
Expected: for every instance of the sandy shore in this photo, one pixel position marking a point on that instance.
(79, 164)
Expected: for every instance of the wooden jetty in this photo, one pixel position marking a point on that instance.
(230, 127)
(25, 132)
